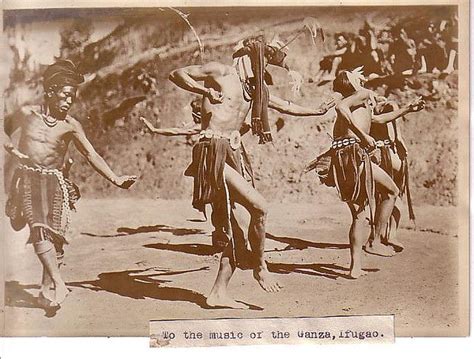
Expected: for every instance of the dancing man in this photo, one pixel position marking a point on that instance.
(41, 195)
(348, 166)
(220, 176)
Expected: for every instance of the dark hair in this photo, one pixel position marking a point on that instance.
(342, 84)
(274, 55)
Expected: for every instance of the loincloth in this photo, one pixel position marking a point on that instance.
(352, 173)
(347, 166)
(43, 199)
(210, 155)
(383, 158)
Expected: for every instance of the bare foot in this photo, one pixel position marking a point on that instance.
(356, 273)
(397, 246)
(266, 281)
(219, 301)
(379, 249)
(48, 293)
(61, 292)
(46, 303)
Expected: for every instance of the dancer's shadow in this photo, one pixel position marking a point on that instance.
(126, 231)
(297, 243)
(191, 248)
(326, 270)
(17, 295)
(132, 284)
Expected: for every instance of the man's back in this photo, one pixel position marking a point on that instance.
(362, 118)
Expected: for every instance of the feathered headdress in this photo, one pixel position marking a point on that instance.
(356, 77)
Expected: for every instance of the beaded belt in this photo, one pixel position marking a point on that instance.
(233, 137)
(344, 142)
(350, 141)
(382, 143)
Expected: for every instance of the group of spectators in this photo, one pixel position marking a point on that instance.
(405, 48)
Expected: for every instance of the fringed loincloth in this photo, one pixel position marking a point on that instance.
(210, 155)
(347, 167)
(43, 199)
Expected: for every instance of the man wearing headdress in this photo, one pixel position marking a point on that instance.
(348, 166)
(41, 195)
(221, 177)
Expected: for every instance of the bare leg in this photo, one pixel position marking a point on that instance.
(47, 284)
(47, 288)
(450, 67)
(375, 56)
(393, 229)
(244, 256)
(243, 193)
(47, 256)
(356, 240)
(219, 297)
(396, 213)
(335, 66)
(424, 68)
(219, 238)
(49, 261)
(388, 189)
(246, 195)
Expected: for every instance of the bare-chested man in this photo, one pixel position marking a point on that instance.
(219, 238)
(218, 171)
(351, 170)
(41, 195)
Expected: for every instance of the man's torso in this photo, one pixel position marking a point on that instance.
(230, 114)
(45, 145)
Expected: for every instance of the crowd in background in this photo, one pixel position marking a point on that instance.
(408, 47)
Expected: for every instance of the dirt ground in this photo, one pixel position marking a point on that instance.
(133, 260)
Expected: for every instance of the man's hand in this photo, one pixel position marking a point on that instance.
(214, 96)
(147, 124)
(12, 150)
(125, 182)
(368, 142)
(416, 105)
(326, 106)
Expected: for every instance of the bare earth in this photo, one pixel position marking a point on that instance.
(133, 260)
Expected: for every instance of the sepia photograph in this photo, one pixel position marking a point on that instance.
(207, 162)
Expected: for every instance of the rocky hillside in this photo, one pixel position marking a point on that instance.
(137, 57)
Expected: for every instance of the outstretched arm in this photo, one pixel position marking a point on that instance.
(289, 108)
(97, 162)
(415, 106)
(189, 78)
(172, 131)
(338, 52)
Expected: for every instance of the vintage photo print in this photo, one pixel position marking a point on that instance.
(200, 162)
